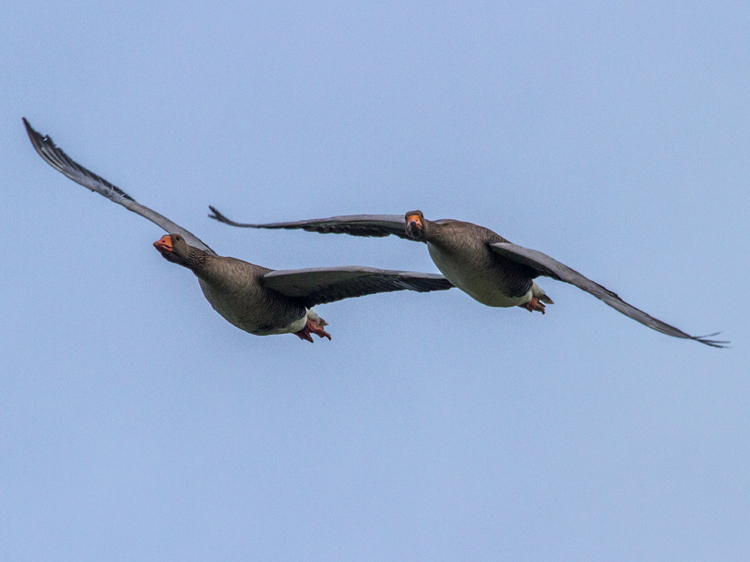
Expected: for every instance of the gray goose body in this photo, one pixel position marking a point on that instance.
(477, 260)
(256, 299)
(462, 253)
(235, 289)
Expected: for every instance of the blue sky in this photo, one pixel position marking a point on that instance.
(135, 423)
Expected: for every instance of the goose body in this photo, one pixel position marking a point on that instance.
(478, 261)
(235, 290)
(461, 252)
(255, 299)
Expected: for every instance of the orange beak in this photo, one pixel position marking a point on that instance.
(164, 244)
(414, 218)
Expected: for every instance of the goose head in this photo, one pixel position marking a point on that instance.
(173, 248)
(415, 225)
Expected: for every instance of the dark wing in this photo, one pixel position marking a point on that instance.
(328, 284)
(356, 225)
(549, 267)
(61, 162)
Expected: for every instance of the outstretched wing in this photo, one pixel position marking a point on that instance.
(550, 267)
(316, 286)
(61, 162)
(356, 225)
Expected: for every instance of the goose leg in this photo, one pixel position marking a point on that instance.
(312, 327)
(533, 304)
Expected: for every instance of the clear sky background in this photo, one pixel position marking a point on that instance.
(137, 424)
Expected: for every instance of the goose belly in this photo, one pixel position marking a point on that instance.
(249, 313)
(479, 281)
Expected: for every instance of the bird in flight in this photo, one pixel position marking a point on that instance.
(478, 261)
(256, 299)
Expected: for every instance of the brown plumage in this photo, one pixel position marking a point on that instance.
(478, 261)
(256, 299)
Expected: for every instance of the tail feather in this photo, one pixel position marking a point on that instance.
(539, 293)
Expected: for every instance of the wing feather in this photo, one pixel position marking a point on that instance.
(550, 267)
(316, 286)
(355, 225)
(61, 162)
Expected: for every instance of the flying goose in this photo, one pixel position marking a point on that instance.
(478, 261)
(256, 299)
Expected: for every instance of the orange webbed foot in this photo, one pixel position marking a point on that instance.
(534, 304)
(313, 327)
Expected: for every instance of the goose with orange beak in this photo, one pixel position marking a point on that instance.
(478, 261)
(256, 299)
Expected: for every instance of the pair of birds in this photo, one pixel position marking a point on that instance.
(263, 302)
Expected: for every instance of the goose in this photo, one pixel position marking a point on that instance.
(478, 261)
(253, 298)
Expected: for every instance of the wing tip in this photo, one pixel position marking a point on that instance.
(719, 344)
(36, 138)
(215, 214)
(221, 217)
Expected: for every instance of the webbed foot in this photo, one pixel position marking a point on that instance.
(534, 304)
(313, 327)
